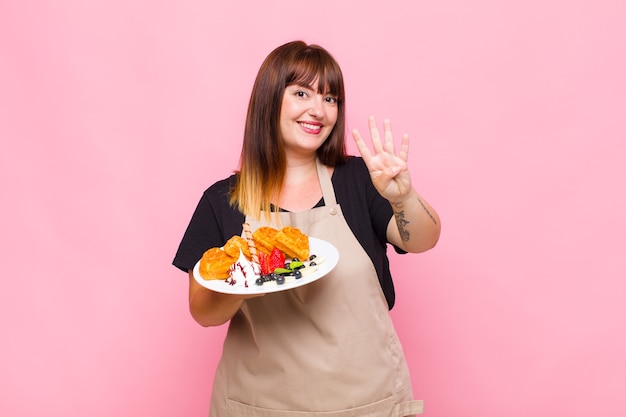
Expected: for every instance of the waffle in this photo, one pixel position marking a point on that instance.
(215, 264)
(293, 243)
(264, 238)
(235, 244)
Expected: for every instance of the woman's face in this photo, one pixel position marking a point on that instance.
(306, 118)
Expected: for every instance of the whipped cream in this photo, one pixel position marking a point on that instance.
(243, 273)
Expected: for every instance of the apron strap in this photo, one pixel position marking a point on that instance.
(328, 191)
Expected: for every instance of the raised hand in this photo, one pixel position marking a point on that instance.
(388, 168)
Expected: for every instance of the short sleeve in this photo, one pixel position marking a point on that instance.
(213, 222)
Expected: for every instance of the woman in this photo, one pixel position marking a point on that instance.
(329, 346)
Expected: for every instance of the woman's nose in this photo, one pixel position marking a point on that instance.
(317, 106)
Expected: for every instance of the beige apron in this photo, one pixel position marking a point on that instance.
(328, 348)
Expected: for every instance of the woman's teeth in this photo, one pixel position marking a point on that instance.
(310, 126)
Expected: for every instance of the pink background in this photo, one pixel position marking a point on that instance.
(115, 115)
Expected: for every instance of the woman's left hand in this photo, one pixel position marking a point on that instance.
(388, 168)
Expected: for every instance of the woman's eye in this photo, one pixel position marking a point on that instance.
(301, 93)
(331, 100)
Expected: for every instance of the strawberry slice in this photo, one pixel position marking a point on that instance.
(277, 259)
(264, 262)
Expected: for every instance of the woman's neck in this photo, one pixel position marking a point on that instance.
(301, 187)
(300, 170)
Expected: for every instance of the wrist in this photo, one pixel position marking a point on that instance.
(400, 200)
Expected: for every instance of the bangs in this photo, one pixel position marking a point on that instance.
(315, 65)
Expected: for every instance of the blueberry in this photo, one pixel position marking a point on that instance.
(312, 263)
(259, 281)
(298, 274)
(312, 257)
(280, 280)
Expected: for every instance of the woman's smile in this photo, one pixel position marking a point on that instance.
(312, 128)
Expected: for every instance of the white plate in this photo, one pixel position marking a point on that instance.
(317, 247)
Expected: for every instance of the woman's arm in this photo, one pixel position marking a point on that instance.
(210, 308)
(415, 226)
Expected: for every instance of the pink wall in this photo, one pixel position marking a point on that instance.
(115, 115)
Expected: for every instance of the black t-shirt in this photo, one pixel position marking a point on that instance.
(365, 210)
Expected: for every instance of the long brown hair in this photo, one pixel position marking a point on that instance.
(263, 160)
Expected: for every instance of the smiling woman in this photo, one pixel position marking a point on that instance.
(113, 117)
(288, 83)
(295, 172)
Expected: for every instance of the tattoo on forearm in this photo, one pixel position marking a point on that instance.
(427, 212)
(401, 221)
